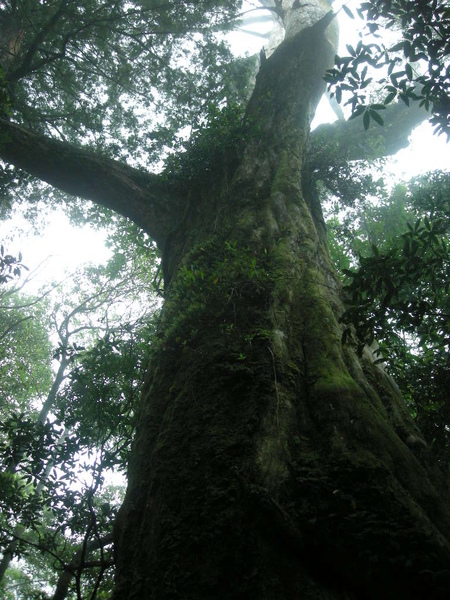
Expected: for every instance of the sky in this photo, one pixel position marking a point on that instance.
(58, 250)
(62, 247)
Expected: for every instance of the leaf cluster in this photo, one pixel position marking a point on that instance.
(416, 68)
(10, 266)
(213, 147)
(406, 285)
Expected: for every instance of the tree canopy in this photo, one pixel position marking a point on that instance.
(121, 76)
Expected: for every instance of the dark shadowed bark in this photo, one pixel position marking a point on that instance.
(271, 462)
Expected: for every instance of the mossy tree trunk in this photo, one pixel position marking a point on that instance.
(270, 462)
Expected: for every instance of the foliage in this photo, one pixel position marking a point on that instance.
(5, 102)
(213, 147)
(399, 295)
(56, 458)
(416, 68)
(369, 219)
(24, 583)
(25, 373)
(98, 405)
(408, 284)
(125, 78)
(10, 266)
(81, 68)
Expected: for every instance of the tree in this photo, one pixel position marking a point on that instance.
(47, 501)
(270, 460)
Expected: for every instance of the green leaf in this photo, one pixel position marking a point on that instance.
(390, 97)
(347, 11)
(376, 117)
(406, 49)
(366, 120)
(397, 47)
(359, 110)
(409, 72)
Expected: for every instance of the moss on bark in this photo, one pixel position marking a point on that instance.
(271, 462)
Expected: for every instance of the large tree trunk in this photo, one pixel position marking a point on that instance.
(270, 461)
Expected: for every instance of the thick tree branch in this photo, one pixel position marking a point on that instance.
(351, 141)
(147, 199)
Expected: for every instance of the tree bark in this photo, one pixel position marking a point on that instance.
(270, 461)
